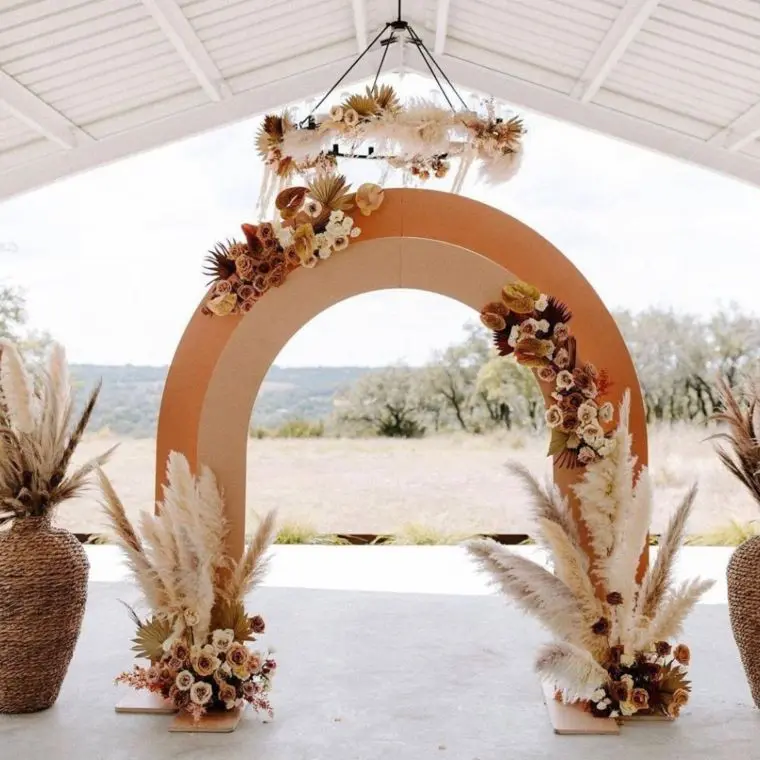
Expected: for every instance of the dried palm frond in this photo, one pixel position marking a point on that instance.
(571, 670)
(742, 457)
(386, 98)
(331, 190)
(218, 264)
(364, 105)
(271, 132)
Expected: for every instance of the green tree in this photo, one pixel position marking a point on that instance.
(386, 402)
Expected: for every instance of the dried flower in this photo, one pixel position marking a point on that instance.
(227, 695)
(221, 639)
(205, 663)
(606, 411)
(553, 416)
(601, 627)
(584, 382)
(266, 231)
(547, 374)
(256, 624)
(180, 650)
(200, 693)
(682, 654)
(493, 316)
(336, 113)
(640, 699)
(222, 288)
(245, 267)
(313, 208)
(237, 655)
(369, 198)
(534, 352)
(614, 598)
(586, 455)
(246, 292)
(662, 648)
(561, 332)
(246, 306)
(679, 699)
(350, 117)
(587, 413)
(592, 434)
(340, 243)
(191, 618)
(564, 380)
(184, 680)
(276, 277)
(254, 662)
(562, 358)
(520, 297)
(304, 242)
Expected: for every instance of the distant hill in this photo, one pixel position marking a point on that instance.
(131, 395)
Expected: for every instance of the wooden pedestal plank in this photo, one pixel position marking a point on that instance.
(216, 722)
(145, 703)
(573, 719)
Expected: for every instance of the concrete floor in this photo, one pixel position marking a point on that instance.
(370, 674)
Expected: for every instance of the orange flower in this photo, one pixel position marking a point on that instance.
(520, 297)
(304, 242)
(289, 201)
(641, 699)
(493, 316)
(534, 352)
(678, 700)
(369, 198)
(682, 654)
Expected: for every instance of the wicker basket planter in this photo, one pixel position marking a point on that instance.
(743, 577)
(43, 590)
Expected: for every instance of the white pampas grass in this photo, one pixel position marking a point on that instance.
(673, 610)
(659, 576)
(180, 561)
(17, 389)
(534, 589)
(570, 669)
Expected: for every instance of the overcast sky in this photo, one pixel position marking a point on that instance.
(111, 259)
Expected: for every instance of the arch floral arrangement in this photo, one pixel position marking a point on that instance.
(197, 634)
(313, 223)
(613, 652)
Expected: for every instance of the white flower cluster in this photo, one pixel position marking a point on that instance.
(529, 328)
(337, 234)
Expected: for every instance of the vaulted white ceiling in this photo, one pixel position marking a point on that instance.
(83, 82)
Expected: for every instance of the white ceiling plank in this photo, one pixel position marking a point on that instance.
(626, 26)
(179, 31)
(38, 115)
(360, 24)
(316, 72)
(740, 132)
(521, 93)
(441, 25)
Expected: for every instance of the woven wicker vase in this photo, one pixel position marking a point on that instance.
(743, 577)
(43, 590)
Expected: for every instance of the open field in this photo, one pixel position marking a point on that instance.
(454, 485)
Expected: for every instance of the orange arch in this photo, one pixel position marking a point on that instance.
(421, 239)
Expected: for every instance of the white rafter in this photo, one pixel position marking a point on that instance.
(441, 25)
(741, 131)
(37, 114)
(181, 34)
(360, 24)
(626, 26)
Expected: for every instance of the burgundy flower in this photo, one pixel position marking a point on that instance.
(614, 598)
(257, 624)
(601, 627)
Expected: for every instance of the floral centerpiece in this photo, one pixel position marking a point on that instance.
(614, 651)
(533, 327)
(196, 637)
(314, 222)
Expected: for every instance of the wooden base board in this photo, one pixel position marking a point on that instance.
(574, 720)
(144, 703)
(222, 722)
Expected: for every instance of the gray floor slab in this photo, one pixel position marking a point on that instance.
(366, 675)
